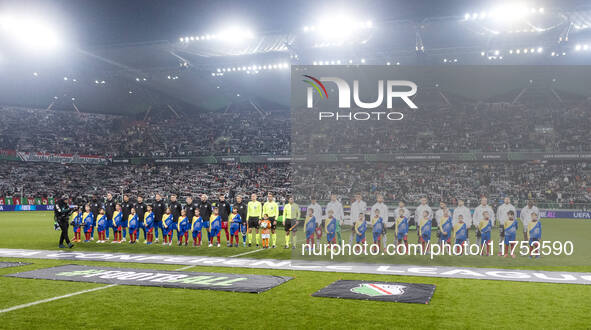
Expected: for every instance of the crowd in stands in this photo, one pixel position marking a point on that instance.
(556, 184)
(51, 179)
(486, 127)
(203, 134)
(468, 127)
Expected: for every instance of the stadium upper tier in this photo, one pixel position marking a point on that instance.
(466, 127)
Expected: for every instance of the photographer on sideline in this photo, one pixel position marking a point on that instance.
(62, 213)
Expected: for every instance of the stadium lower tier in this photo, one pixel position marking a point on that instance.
(551, 184)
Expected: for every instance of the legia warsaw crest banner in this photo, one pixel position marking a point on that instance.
(381, 291)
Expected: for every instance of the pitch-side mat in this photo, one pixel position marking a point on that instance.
(158, 278)
(12, 264)
(318, 266)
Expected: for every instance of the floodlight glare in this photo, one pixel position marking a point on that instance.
(234, 34)
(32, 33)
(510, 12)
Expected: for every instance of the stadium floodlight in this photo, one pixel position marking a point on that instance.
(540, 49)
(233, 34)
(35, 74)
(66, 78)
(338, 27)
(363, 60)
(29, 32)
(510, 12)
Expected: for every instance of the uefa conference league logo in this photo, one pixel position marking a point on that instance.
(344, 98)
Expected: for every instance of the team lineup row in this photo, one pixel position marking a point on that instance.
(241, 219)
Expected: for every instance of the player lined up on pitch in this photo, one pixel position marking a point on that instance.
(256, 222)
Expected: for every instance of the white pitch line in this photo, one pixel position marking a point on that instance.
(186, 267)
(245, 253)
(102, 287)
(54, 298)
(68, 295)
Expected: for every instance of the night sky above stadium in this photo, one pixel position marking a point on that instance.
(124, 21)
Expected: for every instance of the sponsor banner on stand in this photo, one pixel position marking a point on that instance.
(159, 278)
(26, 156)
(381, 291)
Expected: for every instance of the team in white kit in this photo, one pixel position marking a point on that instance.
(471, 219)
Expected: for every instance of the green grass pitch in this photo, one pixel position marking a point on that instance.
(457, 303)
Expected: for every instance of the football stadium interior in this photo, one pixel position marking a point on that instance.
(159, 170)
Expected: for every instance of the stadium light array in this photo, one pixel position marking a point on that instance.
(556, 54)
(251, 69)
(338, 27)
(496, 53)
(582, 47)
(31, 33)
(230, 34)
(509, 12)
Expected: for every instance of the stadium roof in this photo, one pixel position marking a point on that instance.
(127, 58)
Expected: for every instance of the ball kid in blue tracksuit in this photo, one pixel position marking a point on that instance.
(133, 224)
(167, 227)
(445, 227)
(215, 226)
(360, 228)
(77, 224)
(183, 227)
(149, 224)
(87, 220)
(235, 223)
(102, 225)
(196, 227)
(117, 219)
(485, 228)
